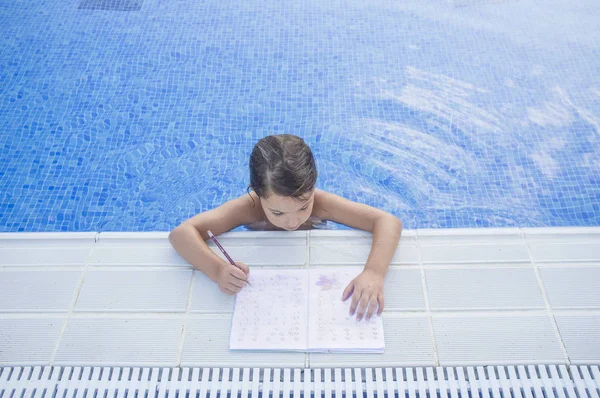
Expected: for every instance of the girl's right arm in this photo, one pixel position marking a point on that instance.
(188, 239)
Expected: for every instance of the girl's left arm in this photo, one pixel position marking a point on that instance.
(367, 288)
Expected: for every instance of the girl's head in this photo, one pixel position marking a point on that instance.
(283, 174)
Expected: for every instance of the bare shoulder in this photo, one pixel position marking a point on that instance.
(329, 206)
(242, 210)
(324, 203)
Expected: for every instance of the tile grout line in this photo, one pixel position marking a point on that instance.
(307, 241)
(391, 313)
(307, 354)
(546, 300)
(426, 300)
(74, 301)
(478, 265)
(185, 319)
(129, 314)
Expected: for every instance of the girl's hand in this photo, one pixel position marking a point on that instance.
(232, 279)
(367, 294)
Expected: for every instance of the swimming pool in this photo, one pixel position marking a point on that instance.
(133, 115)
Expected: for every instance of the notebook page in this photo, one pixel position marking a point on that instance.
(331, 329)
(272, 313)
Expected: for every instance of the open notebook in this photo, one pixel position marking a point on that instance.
(301, 310)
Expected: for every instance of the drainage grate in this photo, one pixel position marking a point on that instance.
(472, 382)
(111, 5)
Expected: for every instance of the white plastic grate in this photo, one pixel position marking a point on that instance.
(540, 381)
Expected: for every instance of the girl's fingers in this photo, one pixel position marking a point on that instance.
(362, 306)
(244, 267)
(371, 307)
(237, 273)
(234, 288)
(236, 282)
(226, 290)
(380, 303)
(348, 291)
(239, 276)
(354, 304)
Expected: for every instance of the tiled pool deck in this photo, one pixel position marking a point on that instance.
(453, 297)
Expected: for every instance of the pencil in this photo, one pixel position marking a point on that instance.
(224, 252)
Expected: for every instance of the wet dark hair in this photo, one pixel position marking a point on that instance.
(284, 165)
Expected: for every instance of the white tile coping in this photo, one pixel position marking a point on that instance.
(235, 238)
(562, 234)
(428, 322)
(425, 236)
(6, 237)
(46, 248)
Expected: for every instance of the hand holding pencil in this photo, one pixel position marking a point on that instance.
(232, 278)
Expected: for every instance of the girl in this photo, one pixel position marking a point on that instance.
(283, 196)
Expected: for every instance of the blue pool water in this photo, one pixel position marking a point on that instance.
(133, 115)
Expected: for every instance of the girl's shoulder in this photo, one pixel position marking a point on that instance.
(236, 212)
(329, 206)
(322, 200)
(249, 204)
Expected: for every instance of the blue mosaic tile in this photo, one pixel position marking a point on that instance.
(111, 5)
(463, 113)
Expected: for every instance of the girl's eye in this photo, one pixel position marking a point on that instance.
(304, 208)
(277, 214)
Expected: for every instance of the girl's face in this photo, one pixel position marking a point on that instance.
(287, 212)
